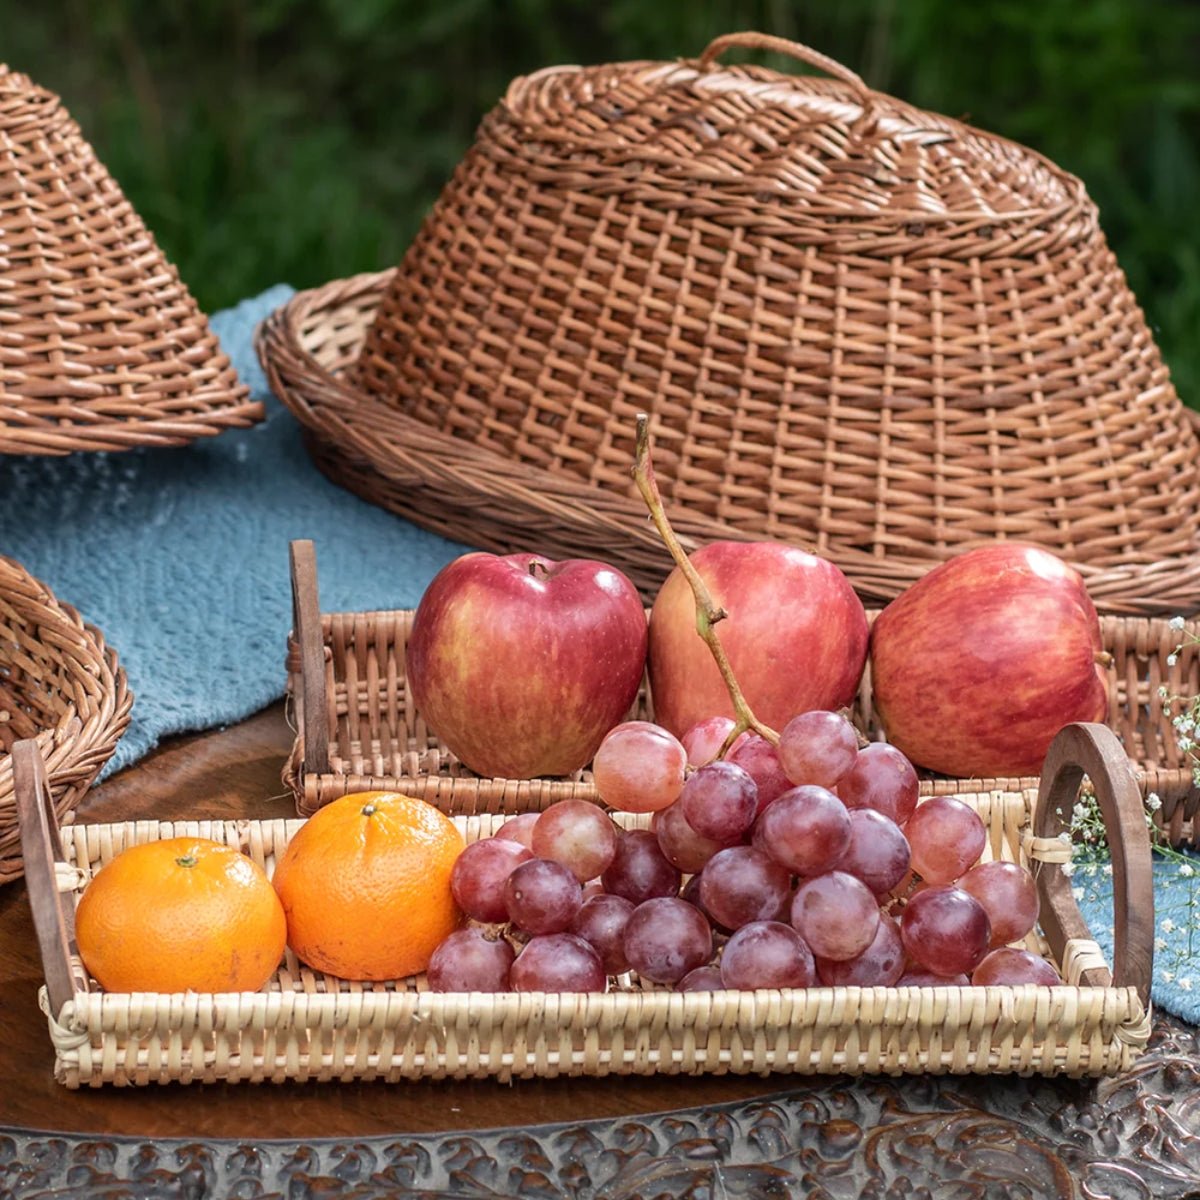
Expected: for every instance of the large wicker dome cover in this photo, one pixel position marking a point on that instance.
(101, 345)
(862, 327)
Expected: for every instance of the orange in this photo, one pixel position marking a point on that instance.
(183, 914)
(365, 884)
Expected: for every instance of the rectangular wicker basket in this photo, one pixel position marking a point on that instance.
(358, 729)
(306, 1025)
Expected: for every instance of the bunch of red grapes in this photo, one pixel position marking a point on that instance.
(806, 864)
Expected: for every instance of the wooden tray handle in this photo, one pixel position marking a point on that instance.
(1095, 751)
(41, 848)
(306, 625)
(778, 45)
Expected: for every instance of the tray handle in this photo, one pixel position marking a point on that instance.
(1094, 750)
(306, 624)
(42, 851)
(779, 45)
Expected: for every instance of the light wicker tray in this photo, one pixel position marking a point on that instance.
(358, 729)
(306, 1025)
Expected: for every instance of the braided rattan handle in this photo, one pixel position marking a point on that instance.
(1095, 751)
(306, 625)
(778, 45)
(41, 849)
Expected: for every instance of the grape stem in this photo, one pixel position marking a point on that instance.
(708, 613)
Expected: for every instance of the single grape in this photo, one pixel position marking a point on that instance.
(945, 930)
(741, 884)
(806, 830)
(469, 960)
(666, 938)
(639, 767)
(919, 977)
(639, 871)
(767, 954)
(836, 914)
(577, 834)
(704, 740)
(1009, 896)
(558, 962)
(720, 801)
(681, 845)
(878, 852)
(702, 979)
(601, 923)
(691, 893)
(947, 837)
(880, 965)
(542, 896)
(883, 779)
(817, 748)
(519, 829)
(1009, 967)
(760, 760)
(479, 873)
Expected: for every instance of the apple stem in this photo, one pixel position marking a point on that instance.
(708, 613)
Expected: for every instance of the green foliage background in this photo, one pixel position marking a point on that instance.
(301, 140)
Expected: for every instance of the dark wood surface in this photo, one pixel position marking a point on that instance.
(235, 773)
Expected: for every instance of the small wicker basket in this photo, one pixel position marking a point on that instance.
(59, 684)
(101, 345)
(358, 728)
(306, 1025)
(860, 327)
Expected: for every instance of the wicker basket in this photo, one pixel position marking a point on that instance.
(59, 684)
(359, 730)
(305, 1025)
(101, 346)
(861, 327)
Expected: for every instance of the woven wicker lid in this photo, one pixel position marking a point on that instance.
(832, 148)
(101, 345)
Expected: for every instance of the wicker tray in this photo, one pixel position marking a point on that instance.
(305, 1025)
(357, 728)
(863, 328)
(103, 347)
(60, 684)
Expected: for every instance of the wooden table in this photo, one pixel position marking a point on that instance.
(760, 1134)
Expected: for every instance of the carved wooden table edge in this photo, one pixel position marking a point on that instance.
(963, 1136)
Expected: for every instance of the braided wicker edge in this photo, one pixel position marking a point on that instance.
(77, 749)
(457, 489)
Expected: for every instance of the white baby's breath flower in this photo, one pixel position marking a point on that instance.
(1172, 659)
(1160, 943)
(1167, 976)
(1108, 868)
(1153, 803)
(1186, 983)
(1167, 925)
(1078, 893)
(1065, 837)
(1187, 870)
(1068, 869)
(1186, 743)
(1176, 622)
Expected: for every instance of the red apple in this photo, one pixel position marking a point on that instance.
(521, 665)
(796, 636)
(979, 664)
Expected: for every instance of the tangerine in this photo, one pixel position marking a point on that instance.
(365, 884)
(181, 914)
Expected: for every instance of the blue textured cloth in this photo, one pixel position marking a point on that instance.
(180, 556)
(1177, 926)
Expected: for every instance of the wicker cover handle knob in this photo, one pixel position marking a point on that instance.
(778, 45)
(1095, 751)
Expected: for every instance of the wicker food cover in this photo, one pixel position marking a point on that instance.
(101, 345)
(861, 327)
